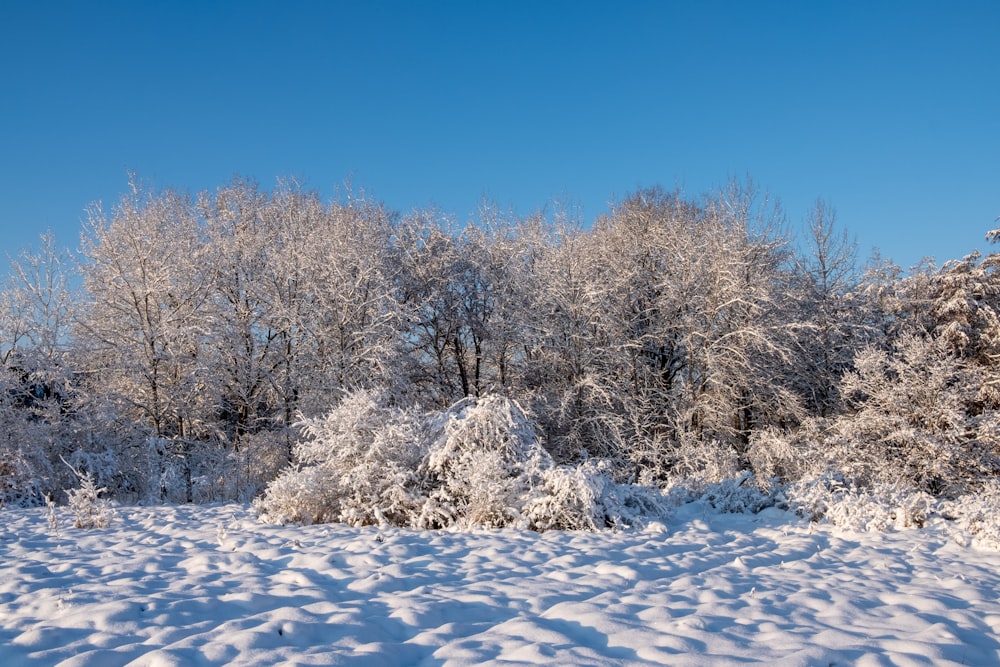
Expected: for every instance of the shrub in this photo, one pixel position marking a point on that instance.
(877, 507)
(485, 459)
(21, 484)
(90, 509)
(356, 464)
(975, 517)
(480, 463)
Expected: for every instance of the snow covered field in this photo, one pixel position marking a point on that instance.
(195, 585)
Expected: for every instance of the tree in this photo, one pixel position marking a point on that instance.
(735, 330)
(142, 327)
(665, 326)
(565, 345)
(351, 319)
(831, 331)
(36, 385)
(302, 307)
(649, 269)
(448, 295)
(243, 347)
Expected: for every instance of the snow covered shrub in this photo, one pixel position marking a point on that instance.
(90, 509)
(490, 470)
(102, 466)
(975, 517)
(119, 455)
(226, 472)
(915, 432)
(26, 472)
(301, 495)
(260, 458)
(783, 457)
(478, 464)
(483, 463)
(571, 498)
(357, 464)
(586, 497)
(22, 478)
(912, 426)
(878, 507)
(741, 494)
(704, 461)
(365, 462)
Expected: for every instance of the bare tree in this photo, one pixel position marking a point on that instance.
(36, 384)
(353, 318)
(832, 330)
(142, 325)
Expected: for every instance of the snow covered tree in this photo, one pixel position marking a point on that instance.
(674, 337)
(351, 321)
(303, 311)
(965, 307)
(919, 400)
(142, 330)
(565, 344)
(662, 325)
(37, 389)
(831, 328)
(435, 342)
(244, 336)
(649, 269)
(503, 250)
(460, 291)
(738, 334)
(695, 319)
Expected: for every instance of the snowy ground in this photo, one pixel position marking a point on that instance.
(210, 586)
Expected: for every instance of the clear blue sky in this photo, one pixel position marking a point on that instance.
(890, 111)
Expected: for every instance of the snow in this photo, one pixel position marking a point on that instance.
(209, 585)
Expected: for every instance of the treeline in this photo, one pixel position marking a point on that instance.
(173, 356)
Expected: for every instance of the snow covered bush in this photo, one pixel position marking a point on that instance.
(917, 425)
(478, 464)
(914, 425)
(970, 519)
(485, 459)
(975, 517)
(301, 495)
(27, 443)
(742, 494)
(238, 472)
(586, 497)
(571, 498)
(102, 466)
(777, 456)
(357, 464)
(367, 462)
(876, 507)
(703, 461)
(90, 509)
(22, 477)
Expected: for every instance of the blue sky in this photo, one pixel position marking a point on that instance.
(889, 111)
